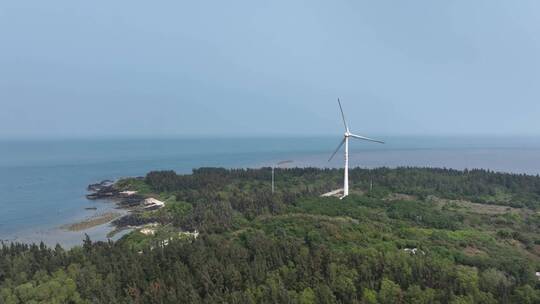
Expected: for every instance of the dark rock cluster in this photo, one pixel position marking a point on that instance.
(101, 185)
(108, 190)
(102, 190)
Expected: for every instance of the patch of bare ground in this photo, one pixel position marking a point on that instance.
(473, 207)
(93, 221)
(533, 254)
(312, 217)
(536, 250)
(399, 197)
(473, 251)
(335, 193)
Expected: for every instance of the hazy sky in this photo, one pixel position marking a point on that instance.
(161, 68)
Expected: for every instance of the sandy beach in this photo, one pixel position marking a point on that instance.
(93, 221)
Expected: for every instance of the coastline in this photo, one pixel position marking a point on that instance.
(92, 221)
(128, 201)
(46, 190)
(105, 218)
(52, 236)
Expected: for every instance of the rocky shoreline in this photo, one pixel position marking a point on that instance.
(124, 199)
(107, 190)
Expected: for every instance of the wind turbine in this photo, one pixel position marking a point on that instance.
(345, 141)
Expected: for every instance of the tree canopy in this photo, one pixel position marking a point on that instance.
(417, 236)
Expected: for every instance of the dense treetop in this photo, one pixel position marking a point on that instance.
(405, 235)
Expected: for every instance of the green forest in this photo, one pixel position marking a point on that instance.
(404, 235)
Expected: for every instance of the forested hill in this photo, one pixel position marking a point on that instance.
(406, 235)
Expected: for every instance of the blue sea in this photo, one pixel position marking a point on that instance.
(43, 182)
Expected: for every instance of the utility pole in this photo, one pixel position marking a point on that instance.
(273, 167)
(274, 174)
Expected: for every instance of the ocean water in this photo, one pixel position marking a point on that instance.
(43, 183)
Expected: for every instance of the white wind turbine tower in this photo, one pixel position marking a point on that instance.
(345, 141)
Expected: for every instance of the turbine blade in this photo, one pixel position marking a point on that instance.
(343, 116)
(366, 138)
(339, 147)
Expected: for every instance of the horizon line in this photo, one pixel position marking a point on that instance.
(252, 136)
